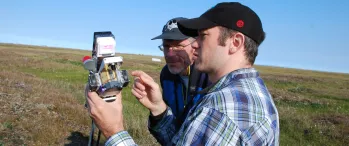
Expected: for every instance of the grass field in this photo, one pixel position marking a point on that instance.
(42, 101)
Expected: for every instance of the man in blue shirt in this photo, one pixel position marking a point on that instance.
(237, 108)
(179, 80)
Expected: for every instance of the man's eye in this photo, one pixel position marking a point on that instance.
(202, 35)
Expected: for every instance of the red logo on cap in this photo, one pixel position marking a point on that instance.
(240, 23)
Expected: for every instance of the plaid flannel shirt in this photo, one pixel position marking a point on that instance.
(237, 110)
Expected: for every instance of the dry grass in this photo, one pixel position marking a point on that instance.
(42, 93)
(37, 112)
(41, 98)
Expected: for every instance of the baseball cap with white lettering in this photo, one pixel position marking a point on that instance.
(170, 30)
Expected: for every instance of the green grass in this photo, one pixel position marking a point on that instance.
(42, 90)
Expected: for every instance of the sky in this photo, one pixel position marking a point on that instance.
(307, 34)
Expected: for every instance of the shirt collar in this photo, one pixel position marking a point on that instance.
(230, 77)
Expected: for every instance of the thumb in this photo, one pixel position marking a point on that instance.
(93, 98)
(118, 94)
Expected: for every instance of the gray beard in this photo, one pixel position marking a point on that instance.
(187, 63)
(176, 71)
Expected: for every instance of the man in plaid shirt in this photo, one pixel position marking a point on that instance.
(236, 110)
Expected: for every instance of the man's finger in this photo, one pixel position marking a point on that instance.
(135, 93)
(139, 86)
(142, 75)
(94, 98)
(145, 79)
(89, 101)
(119, 98)
(145, 75)
(141, 92)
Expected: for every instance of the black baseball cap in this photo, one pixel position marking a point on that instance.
(171, 31)
(232, 15)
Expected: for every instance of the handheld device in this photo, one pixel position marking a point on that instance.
(105, 76)
(105, 73)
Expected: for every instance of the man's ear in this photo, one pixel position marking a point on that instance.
(236, 42)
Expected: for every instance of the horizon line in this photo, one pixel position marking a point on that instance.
(48, 46)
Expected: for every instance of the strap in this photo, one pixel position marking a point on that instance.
(193, 80)
(204, 91)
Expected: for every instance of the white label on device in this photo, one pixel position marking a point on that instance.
(106, 45)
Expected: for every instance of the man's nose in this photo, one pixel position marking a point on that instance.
(195, 44)
(170, 52)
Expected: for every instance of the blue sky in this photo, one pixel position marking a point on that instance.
(308, 34)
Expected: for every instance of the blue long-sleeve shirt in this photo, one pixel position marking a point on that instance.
(178, 94)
